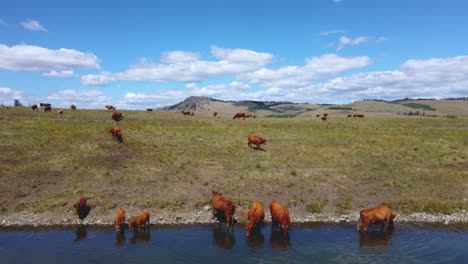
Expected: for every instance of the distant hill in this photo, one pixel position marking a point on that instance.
(453, 107)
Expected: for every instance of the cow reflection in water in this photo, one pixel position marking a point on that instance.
(378, 240)
(120, 237)
(278, 241)
(223, 238)
(142, 236)
(255, 241)
(81, 233)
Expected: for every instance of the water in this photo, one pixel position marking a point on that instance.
(311, 243)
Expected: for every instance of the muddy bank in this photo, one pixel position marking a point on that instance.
(204, 217)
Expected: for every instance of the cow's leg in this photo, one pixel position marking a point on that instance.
(366, 225)
(359, 224)
(250, 144)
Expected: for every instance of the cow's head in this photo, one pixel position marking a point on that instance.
(216, 193)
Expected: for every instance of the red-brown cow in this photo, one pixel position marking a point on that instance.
(73, 107)
(149, 109)
(324, 118)
(143, 219)
(185, 112)
(255, 216)
(215, 113)
(119, 218)
(223, 207)
(239, 115)
(358, 115)
(34, 107)
(325, 114)
(117, 116)
(280, 216)
(192, 113)
(82, 208)
(375, 215)
(256, 140)
(254, 116)
(48, 108)
(116, 134)
(110, 107)
(248, 115)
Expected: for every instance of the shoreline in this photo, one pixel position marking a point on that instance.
(204, 217)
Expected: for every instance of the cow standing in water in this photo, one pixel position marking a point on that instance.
(223, 208)
(279, 217)
(255, 216)
(119, 219)
(375, 215)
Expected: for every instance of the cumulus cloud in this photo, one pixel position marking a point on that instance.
(8, 95)
(54, 63)
(345, 41)
(88, 99)
(32, 25)
(188, 69)
(316, 68)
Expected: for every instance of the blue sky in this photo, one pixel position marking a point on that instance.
(141, 54)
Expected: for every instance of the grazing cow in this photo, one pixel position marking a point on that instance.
(317, 115)
(215, 113)
(325, 114)
(223, 208)
(279, 217)
(73, 107)
(248, 115)
(34, 107)
(349, 115)
(116, 133)
(82, 208)
(110, 107)
(117, 116)
(48, 108)
(185, 112)
(254, 116)
(143, 219)
(149, 109)
(375, 215)
(324, 118)
(257, 141)
(192, 113)
(358, 115)
(255, 216)
(119, 218)
(239, 115)
(60, 112)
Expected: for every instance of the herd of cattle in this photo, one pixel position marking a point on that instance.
(223, 210)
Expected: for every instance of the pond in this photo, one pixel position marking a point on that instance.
(306, 243)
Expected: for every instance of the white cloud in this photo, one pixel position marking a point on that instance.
(33, 25)
(8, 95)
(87, 99)
(179, 56)
(316, 68)
(345, 41)
(331, 32)
(232, 61)
(55, 63)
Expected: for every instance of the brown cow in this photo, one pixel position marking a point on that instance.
(358, 115)
(60, 112)
(149, 109)
(48, 108)
(317, 115)
(239, 115)
(223, 207)
(185, 112)
(143, 219)
(255, 216)
(117, 116)
(349, 115)
(119, 218)
(110, 107)
(116, 133)
(325, 114)
(279, 217)
(192, 113)
(73, 107)
(257, 141)
(248, 115)
(82, 208)
(34, 107)
(254, 116)
(324, 118)
(375, 215)
(215, 113)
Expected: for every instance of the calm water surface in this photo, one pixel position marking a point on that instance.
(311, 243)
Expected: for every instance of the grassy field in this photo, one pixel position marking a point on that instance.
(171, 163)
